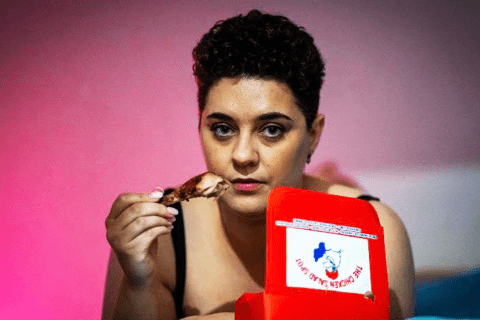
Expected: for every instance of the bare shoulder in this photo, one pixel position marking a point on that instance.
(400, 267)
(390, 220)
(318, 184)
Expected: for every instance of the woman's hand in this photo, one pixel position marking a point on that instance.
(133, 225)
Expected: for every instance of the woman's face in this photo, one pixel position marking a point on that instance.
(255, 136)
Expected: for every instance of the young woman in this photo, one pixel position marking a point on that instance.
(259, 78)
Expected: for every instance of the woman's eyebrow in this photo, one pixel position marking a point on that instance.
(219, 116)
(263, 117)
(273, 116)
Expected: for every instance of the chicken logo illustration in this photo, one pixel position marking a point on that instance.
(329, 258)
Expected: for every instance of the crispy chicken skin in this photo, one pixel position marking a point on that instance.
(206, 185)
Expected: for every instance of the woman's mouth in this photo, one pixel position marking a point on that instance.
(246, 185)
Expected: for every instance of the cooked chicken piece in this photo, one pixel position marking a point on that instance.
(205, 185)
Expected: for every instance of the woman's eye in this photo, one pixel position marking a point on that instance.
(222, 130)
(273, 131)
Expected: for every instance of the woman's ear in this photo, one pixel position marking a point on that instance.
(316, 131)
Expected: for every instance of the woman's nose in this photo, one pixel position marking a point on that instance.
(244, 152)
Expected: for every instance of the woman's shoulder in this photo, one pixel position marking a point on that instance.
(321, 185)
(388, 217)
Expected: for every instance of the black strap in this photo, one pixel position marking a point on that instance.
(367, 197)
(178, 239)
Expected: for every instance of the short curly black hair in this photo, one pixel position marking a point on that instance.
(262, 46)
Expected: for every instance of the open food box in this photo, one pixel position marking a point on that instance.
(325, 259)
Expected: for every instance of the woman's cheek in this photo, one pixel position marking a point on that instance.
(215, 158)
(279, 162)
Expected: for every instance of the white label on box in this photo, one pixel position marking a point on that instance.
(326, 261)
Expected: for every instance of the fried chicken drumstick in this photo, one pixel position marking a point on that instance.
(206, 185)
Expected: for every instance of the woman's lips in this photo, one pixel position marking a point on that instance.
(246, 185)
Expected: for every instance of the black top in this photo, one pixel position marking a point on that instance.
(178, 238)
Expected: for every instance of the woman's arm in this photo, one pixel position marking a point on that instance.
(138, 230)
(149, 301)
(400, 267)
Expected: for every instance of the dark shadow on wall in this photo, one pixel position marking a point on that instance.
(330, 172)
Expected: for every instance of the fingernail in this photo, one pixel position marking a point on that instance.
(171, 220)
(171, 227)
(156, 193)
(172, 210)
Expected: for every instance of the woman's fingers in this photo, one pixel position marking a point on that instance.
(125, 200)
(143, 224)
(148, 236)
(141, 209)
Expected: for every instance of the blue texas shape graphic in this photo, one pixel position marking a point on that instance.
(320, 251)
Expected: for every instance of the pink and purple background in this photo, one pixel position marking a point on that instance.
(98, 98)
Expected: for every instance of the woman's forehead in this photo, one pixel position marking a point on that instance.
(250, 98)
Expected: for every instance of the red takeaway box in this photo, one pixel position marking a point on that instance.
(325, 260)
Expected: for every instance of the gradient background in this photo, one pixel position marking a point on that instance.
(98, 98)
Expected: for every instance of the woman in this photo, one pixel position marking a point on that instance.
(259, 78)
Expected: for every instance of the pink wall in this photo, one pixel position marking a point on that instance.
(98, 99)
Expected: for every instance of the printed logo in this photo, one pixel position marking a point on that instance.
(329, 258)
(327, 261)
